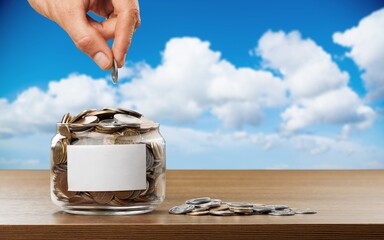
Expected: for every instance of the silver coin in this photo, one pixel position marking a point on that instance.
(127, 120)
(87, 120)
(285, 212)
(222, 213)
(277, 206)
(244, 210)
(214, 203)
(185, 208)
(202, 207)
(306, 211)
(115, 72)
(240, 204)
(197, 201)
(146, 124)
(262, 209)
(220, 208)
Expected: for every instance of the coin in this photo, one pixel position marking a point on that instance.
(198, 213)
(115, 72)
(64, 131)
(262, 209)
(201, 208)
(146, 124)
(217, 207)
(123, 194)
(66, 118)
(87, 120)
(240, 204)
(102, 197)
(306, 211)
(61, 183)
(130, 112)
(185, 208)
(243, 210)
(222, 213)
(277, 206)
(82, 114)
(285, 212)
(220, 208)
(102, 114)
(108, 126)
(197, 201)
(59, 152)
(214, 203)
(127, 120)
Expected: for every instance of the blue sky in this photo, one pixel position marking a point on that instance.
(251, 84)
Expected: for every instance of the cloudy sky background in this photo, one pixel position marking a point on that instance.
(253, 86)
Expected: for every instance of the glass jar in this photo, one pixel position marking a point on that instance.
(107, 162)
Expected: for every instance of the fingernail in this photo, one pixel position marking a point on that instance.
(101, 59)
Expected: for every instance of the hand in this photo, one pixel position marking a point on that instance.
(90, 36)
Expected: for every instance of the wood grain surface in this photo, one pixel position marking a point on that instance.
(350, 206)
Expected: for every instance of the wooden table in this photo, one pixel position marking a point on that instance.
(350, 206)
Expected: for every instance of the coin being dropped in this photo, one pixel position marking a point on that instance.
(115, 72)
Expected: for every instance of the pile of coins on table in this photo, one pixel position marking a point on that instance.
(216, 207)
(101, 127)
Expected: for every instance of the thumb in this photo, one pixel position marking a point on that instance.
(88, 40)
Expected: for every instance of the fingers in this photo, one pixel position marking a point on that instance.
(88, 39)
(106, 28)
(128, 19)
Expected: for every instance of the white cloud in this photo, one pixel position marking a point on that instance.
(35, 110)
(192, 141)
(318, 88)
(193, 79)
(341, 106)
(185, 86)
(366, 43)
(308, 70)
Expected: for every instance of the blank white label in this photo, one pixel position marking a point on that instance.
(106, 167)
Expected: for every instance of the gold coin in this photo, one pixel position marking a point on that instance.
(59, 152)
(198, 213)
(66, 118)
(61, 184)
(118, 202)
(64, 131)
(130, 112)
(102, 197)
(102, 114)
(87, 120)
(135, 194)
(82, 114)
(123, 194)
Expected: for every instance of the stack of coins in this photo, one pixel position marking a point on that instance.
(108, 126)
(216, 207)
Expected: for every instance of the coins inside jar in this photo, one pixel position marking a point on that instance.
(108, 126)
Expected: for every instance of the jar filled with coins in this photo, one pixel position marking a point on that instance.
(107, 162)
